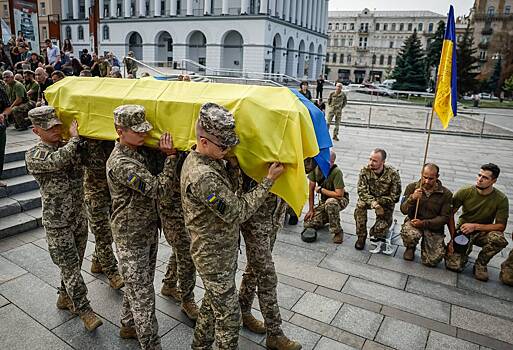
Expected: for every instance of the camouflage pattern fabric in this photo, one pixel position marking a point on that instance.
(213, 213)
(20, 114)
(217, 121)
(98, 203)
(432, 247)
(133, 117)
(259, 234)
(328, 212)
(386, 190)
(59, 174)
(491, 244)
(336, 102)
(506, 274)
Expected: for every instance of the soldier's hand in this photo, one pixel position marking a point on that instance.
(379, 210)
(468, 228)
(2, 118)
(73, 129)
(275, 170)
(309, 215)
(166, 144)
(417, 223)
(417, 194)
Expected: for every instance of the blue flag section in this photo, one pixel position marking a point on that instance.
(321, 132)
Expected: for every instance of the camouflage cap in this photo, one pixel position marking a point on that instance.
(44, 117)
(133, 117)
(218, 122)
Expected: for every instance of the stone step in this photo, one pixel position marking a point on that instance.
(17, 223)
(13, 169)
(19, 184)
(9, 206)
(28, 200)
(16, 153)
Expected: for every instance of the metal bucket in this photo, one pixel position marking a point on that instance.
(461, 243)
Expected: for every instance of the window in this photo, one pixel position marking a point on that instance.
(507, 10)
(382, 59)
(373, 59)
(351, 26)
(482, 55)
(421, 27)
(393, 27)
(106, 32)
(42, 9)
(410, 27)
(336, 26)
(377, 26)
(328, 58)
(329, 26)
(45, 32)
(344, 26)
(343, 42)
(401, 27)
(68, 32)
(389, 60)
(391, 45)
(341, 58)
(6, 8)
(334, 58)
(363, 43)
(350, 43)
(80, 33)
(385, 27)
(335, 42)
(491, 11)
(430, 27)
(348, 58)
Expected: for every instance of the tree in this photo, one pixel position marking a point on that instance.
(466, 62)
(434, 50)
(508, 85)
(493, 83)
(409, 71)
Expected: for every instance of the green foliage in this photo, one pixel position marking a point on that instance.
(466, 61)
(409, 71)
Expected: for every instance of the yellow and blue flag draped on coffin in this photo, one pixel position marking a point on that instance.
(446, 92)
(272, 123)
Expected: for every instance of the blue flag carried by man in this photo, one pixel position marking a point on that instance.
(446, 92)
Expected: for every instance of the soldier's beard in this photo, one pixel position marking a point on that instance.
(482, 188)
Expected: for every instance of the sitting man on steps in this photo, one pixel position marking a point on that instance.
(334, 199)
(484, 216)
(428, 221)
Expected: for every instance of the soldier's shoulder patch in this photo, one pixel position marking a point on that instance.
(41, 154)
(136, 182)
(217, 202)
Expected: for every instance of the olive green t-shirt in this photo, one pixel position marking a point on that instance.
(335, 180)
(32, 86)
(17, 90)
(479, 209)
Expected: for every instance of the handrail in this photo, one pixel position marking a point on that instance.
(144, 65)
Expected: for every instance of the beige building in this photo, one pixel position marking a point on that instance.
(363, 45)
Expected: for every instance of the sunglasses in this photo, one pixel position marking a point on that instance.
(221, 147)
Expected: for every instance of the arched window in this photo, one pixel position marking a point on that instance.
(373, 59)
(80, 33)
(389, 60)
(341, 58)
(491, 11)
(68, 32)
(382, 59)
(106, 32)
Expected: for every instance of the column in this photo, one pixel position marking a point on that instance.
(310, 14)
(158, 8)
(189, 8)
(127, 4)
(244, 6)
(304, 13)
(225, 9)
(207, 8)
(279, 8)
(263, 6)
(286, 10)
(293, 10)
(325, 17)
(112, 8)
(319, 16)
(101, 6)
(75, 9)
(87, 4)
(172, 9)
(315, 5)
(142, 8)
(65, 9)
(299, 12)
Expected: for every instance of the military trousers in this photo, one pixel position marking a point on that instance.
(337, 114)
(260, 278)
(506, 274)
(20, 114)
(98, 203)
(432, 246)
(328, 212)
(219, 317)
(180, 268)
(3, 140)
(491, 243)
(380, 228)
(137, 262)
(67, 247)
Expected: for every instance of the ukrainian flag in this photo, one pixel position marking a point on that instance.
(446, 92)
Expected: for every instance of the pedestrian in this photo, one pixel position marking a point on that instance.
(44, 82)
(4, 104)
(379, 188)
(336, 102)
(85, 58)
(130, 64)
(319, 88)
(52, 52)
(427, 206)
(134, 220)
(31, 86)
(303, 89)
(58, 171)
(20, 103)
(213, 213)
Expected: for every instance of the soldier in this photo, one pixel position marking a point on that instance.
(134, 220)
(506, 275)
(131, 66)
(334, 199)
(485, 211)
(58, 171)
(213, 213)
(98, 203)
(379, 188)
(428, 223)
(336, 102)
(259, 233)
(20, 103)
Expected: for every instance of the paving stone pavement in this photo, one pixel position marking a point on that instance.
(332, 297)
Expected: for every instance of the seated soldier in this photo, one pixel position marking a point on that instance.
(379, 188)
(334, 199)
(426, 222)
(506, 275)
(484, 216)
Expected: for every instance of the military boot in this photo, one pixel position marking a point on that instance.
(338, 238)
(171, 291)
(506, 277)
(64, 302)
(96, 267)
(127, 332)
(250, 322)
(281, 342)
(409, 254)
(480, 272)
(116, 281)
(91, 321)
(335, 138)
(190, 308)
(360, 243)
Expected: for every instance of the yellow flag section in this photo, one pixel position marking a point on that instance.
(273, 125)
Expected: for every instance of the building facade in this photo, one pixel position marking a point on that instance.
(363, 46)
(272, 36)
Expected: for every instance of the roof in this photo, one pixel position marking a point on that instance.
(398, 13)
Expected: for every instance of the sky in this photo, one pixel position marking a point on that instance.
(461, 7)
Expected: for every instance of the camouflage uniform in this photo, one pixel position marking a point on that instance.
(98, 203)
(131, 66)
(59, 173)
(134, 221)
(336, 102)
(435, 210)
(213, 213)
(506, 274)
(259, 234)
(386, 190)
